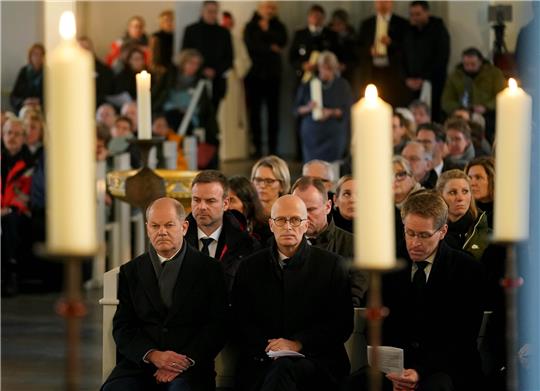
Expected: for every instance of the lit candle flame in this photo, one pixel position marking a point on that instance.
(371, 92)
(67, 25)
(512, 84)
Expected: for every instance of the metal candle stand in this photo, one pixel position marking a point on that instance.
(511, 282)
(375, 314)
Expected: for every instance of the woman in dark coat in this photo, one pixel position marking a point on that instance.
(28, 87)
(328, 137)
(467, 226)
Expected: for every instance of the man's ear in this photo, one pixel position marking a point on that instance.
(327, 207)
(226, 202)
(185, 226)
(443, 231)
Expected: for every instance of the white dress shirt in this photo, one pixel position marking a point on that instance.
(213, 246)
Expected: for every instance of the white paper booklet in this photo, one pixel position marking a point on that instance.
(390, 359)
(284, 353)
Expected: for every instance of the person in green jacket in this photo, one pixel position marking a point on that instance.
(473, 85)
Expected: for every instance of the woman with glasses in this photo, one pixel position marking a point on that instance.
(482, 173)
(467, 226)
(271, 177)
(403, 185)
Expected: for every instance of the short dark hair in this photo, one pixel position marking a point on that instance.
(124, 118)
(423, 4)
(304, 182)
(435, 128)
(460, 125)
(419, 103)
(316, 8)
(212, 176)
(209, 2)
(472, 51)
(427, 204)
(227, 14)
(103, 133)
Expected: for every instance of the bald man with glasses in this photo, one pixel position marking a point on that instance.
(292, 299)
(435, 304)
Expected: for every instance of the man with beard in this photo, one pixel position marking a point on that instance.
(474, 85)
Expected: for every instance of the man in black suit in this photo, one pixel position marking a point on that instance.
(213, 229)
(426, 49)
(381, 49)
(170, 322)
(435, 304)
(314, 37)
(265, 37)
(215, 44)
(324, 234)
(292, 298)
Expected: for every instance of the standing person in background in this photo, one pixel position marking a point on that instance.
(315, 37)
(28, 88)
(325, 138)
(135, 37)
(161, 44)
(426, 52)
(265, 37)
(381, 50)
(347, 41)
(215, 45)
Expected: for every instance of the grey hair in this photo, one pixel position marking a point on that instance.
(180, 211)
(325, 164)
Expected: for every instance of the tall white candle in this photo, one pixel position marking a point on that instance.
(144, 110)
(512, 164)
(70, 145)
(374, 207)
(381, 30)
(315, 87)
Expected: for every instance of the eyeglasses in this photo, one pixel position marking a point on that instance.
(401, 175)
(293, 221)
(266, 181)
(420, 235)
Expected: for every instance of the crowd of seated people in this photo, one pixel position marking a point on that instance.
(269, 226)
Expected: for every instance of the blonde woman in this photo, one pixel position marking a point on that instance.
(467, 226)
(271, 177)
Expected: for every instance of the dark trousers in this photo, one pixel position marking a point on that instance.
(286, 374)
(143, 384)
(359, 381)
(260, 92)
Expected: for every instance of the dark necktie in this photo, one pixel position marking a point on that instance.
(206, 243)
(419, 279)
